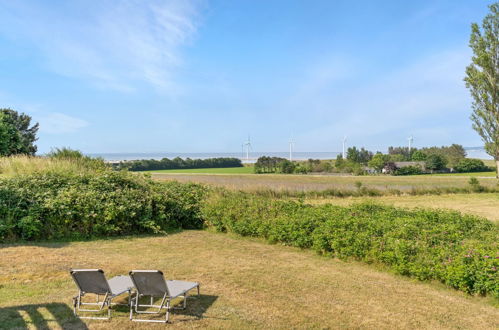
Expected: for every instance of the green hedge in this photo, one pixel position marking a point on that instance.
(59, 206)
(459, 250)
(408, 170)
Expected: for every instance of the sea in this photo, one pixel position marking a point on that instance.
(472, 152)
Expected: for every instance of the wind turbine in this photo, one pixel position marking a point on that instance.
(248, 147)
(291, 145)
(344, 144)
(411, 139)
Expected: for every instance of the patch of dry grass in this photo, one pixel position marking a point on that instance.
(252, 182)
(244, 284)
(22, 164)
(485, 205)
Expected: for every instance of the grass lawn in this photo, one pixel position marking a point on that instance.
(485, 205)
(244, 284)
(323, 182)
(226, 170)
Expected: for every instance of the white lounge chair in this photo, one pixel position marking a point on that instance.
(151, 283)
(93, 281)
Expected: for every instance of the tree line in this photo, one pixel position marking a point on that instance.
(177, 163)
(398, 161)
(432, 159)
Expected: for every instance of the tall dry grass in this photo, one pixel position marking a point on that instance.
(22, 165)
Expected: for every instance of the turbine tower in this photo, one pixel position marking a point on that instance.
(411, 139)
(344, 144)
(291, 145)
(248, 147)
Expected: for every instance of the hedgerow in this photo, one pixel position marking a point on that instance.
(461, 251)
(50, 205)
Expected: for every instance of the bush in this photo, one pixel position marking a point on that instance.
(49, 205)
(287, 167)
(408, 170)
(459, 250)
(471, 165)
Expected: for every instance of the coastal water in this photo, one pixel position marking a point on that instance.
(253, 156)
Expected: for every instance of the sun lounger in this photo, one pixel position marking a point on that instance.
(151, 283)
(93, 281)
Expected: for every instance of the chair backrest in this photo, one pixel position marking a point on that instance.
(149, 282)
(91, 280)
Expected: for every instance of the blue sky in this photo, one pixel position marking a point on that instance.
(199, 76)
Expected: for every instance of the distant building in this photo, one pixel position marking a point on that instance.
(393, 166)
(369, 170)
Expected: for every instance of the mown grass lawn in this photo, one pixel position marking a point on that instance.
(244, 284)
(226, 170)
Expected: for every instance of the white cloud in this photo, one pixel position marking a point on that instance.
(422, 98)
(114, 44)
(59, 123)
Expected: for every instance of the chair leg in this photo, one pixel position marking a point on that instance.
(109, 309)
(131, 309)
(76, 302)
(167, 310)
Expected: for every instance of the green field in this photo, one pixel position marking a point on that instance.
(226, 170)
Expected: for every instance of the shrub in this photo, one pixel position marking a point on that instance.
(287, 167)
(459, 250)
(302, 169)
(49, 205)
(408, 170)
(471, 165)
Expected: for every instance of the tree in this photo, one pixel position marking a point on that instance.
(340, 162)
(361, 156)
(435, 162)
(365, 156)
(482, 79)
(287, 166)
(16, 135)
(454, 154)
(418, 155)
(378, 161)
(6, 133)
(403, 151)
(353, 154)
(397, 158)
